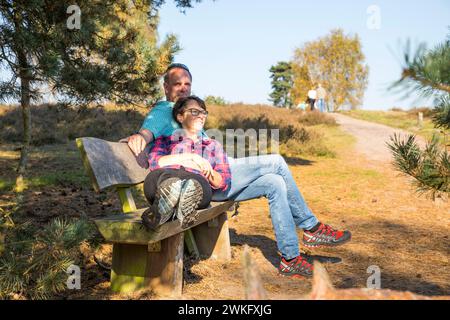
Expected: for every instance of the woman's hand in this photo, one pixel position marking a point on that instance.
(203, 164)
(188, 160)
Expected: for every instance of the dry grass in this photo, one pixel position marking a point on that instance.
(406, 236)
(297, 129)
(56, 124)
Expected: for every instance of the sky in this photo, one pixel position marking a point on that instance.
(229, 45)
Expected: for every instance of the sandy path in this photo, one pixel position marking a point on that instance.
(371, 137)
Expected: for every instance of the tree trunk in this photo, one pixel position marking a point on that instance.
(26, 116)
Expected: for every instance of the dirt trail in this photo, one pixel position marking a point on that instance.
(405, 235)
(371, 137)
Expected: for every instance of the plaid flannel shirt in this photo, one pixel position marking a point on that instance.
(205, 147)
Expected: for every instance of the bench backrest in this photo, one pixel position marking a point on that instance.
(111, 164)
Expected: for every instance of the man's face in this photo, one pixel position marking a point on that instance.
(178, 85)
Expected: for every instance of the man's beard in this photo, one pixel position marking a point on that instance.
(176, 98)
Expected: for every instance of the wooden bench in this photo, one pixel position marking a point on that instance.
(141, 258)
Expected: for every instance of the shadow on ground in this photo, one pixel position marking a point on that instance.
(269, 249)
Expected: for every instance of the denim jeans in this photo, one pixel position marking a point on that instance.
(269, 176)
(321, 105)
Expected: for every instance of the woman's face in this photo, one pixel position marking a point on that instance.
(188, 120)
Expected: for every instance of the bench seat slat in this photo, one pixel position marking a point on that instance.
(128, 228)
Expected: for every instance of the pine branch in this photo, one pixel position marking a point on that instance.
(38, 260)
(430, 168)
(424, 81)
(441, 113)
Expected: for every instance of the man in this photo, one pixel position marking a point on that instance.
(252, 178)
(321, 96)
(312, 97)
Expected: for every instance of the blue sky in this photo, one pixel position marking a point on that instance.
(229, 45)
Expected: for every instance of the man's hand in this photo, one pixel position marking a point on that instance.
(138, 142)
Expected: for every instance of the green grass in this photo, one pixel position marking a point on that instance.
(396, 119)
(6, 185)
(336, 139)
(76, 178)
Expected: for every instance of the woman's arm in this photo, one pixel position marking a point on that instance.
(159, 156)
(220, 177)
(194, 161)
(184, 159)
(215, 179)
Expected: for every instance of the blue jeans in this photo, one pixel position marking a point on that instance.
(269, 176)
(321, 105)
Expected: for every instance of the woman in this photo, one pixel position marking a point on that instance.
(185, 168)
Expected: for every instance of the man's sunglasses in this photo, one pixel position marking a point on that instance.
(196, 112)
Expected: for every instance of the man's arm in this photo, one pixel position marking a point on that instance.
(138, 142)
(157, 123)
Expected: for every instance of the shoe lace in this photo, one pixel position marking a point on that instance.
(328, 230)
(301, 262)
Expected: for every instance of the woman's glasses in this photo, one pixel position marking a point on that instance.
(196, 112)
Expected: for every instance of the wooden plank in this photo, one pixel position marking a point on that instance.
(134, 268)
(127, 200)
(213, 223)
(154, 247)
(128, 228)
(214, 242)
(87, 165)
(191, 245)
(110, 164)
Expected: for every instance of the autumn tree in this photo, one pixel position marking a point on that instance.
(282, 81)
(336, 61)
(113, 54)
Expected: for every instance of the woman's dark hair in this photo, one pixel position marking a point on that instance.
(181, 104)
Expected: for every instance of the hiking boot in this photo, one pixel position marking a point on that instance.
(163, 207)
(190, 198)
(299, 267)
(325, 236)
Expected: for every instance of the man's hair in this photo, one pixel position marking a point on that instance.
(176, 66)
(181, 103)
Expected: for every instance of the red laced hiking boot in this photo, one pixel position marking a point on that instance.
(296, 268)
(325, 236)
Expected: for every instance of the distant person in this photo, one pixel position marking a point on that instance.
(302, 106)
(321, 96)
(312, 97)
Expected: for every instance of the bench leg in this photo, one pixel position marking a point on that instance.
(213, 238)
(134, 267)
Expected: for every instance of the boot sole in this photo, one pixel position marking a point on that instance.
(191, 196)
(295, 276)
(326, 245)
(166, 199)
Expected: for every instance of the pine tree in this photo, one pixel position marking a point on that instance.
(215, 100)
(427, 72)
(282, 81)
(112, 54)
